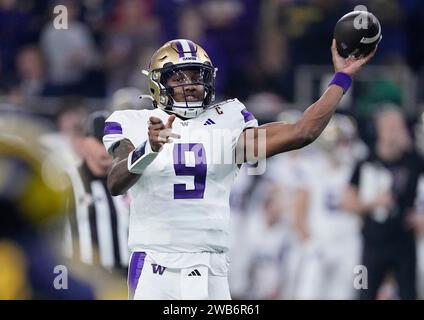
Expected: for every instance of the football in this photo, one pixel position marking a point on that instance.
(357, 33)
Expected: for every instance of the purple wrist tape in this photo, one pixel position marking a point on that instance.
(342, 80)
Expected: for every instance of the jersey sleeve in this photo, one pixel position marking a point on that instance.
(117, 128)
(241, 119)
(249, 120)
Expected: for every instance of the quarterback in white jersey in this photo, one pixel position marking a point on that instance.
(192, 212)
(179, 162)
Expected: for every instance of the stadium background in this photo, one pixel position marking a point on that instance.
(273, 55)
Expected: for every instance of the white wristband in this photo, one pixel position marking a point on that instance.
(141, 157)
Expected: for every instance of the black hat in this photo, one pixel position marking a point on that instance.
(96, 124)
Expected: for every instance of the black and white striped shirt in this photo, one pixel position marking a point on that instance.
(97, 230)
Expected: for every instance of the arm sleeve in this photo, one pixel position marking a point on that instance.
(243, 120)
(115, 130)
(249, 120)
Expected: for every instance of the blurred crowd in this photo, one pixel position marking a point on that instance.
(108, 42)
(297, 233)
(306, 228)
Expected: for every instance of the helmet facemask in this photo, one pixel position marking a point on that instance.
(172, 78)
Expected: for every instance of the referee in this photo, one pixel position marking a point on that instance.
(97, 232)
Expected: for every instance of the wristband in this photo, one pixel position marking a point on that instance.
(141, 157)
(342, 80)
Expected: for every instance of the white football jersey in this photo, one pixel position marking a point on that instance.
(326, 184)
(270, 250)
(181, 201)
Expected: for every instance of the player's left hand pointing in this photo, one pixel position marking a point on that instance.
(160, 133)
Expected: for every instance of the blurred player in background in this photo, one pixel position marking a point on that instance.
(129, 98)
(180, 209)
(382, 191)
(330, 236)
(286, 169)
(34, 189)
(268, 244)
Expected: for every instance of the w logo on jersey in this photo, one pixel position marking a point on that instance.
(158, 269)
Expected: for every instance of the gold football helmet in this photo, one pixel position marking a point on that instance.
(174, 57)
(341, 130)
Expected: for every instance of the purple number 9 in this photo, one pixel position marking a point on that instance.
(198, 171)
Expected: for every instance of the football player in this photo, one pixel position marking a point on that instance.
(170, 160)
(330, 235)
